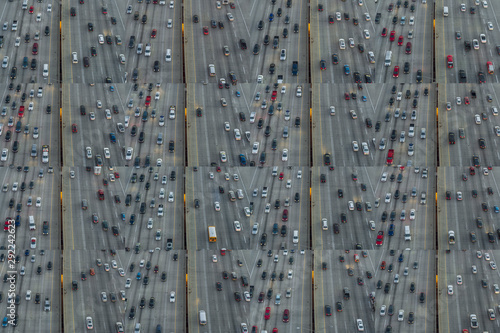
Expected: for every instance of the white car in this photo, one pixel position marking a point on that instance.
(482, 37)
(342, 44)
(38, 202)
(101, 38)
(171, 5)
(162, 193)
(459, 100)
(353, 114)
(128, 283)
(89, 152)
(459, 279)
(104, 297)
(412, 20)
(493, 265)
(33, 243)
(237, 226)
(332, 110)
(217, 206)
(399, 97)
(5, 154)
(359, 324)
(289, 183)
(487, 256)
(284, 156)
(255, 229)
(230, 17)
(107, 154)
(477, 119)
(5, 62)
(237, 134)
(268, 208)
(351, 42)
(366, 34)
(171, 114)
(90, 323)
(283, 89)
(214, 258)
(388, 197)
(475, 44)
(121, 271)
(462, 7)
(169, 23)
(490, 26)
(382, 310)
(290, 274)
(474, 269)
(450, 289)
(287, 115)
(18, 41)
(299, 174)
(367, 17)
(150, 223)
(128, 154)
(496, 288)
(160, 210)
(171, 197)
(28, 295)
(172, 297)
(350, 204)
(227, 127)
(39, 17)
(255, 148)
(223, 156)
(401, 315)
(30, 106)
(99, 104)
(485, 4)
(157, 95)
(298, 92)
(15, 186)
(412, 214)
(49, 7)
(384, 177)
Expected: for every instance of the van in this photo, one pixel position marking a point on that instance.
(211, 69)
(139, 48)
(84, 204)
(25, 4)
(203, 317)
(422, 133)
(45, 70)
(168, 56)
(32, 223)
(239, 194)
(423, 199)
(275, 171)
(75, 57)
(445, 11)
(295, 236)
(159, 140)
(407, 233)
(33, 150)
(231, 196)
(388, 57)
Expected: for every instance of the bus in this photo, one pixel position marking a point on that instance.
(212, 235)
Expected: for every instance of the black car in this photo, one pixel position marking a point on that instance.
(462, 76)
(90, 26)
(243, 44)
(256, 49)
(481, 77)
(327, 159)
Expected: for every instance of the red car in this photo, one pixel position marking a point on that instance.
(31, 10)
(100, 193)
(117, 175)
(396, 71)
(400, 40)
(382, 265)
(148, 100)
(384, 32)
(408, 48)
(449, 60)
(285, 215)
(466, 101)
(267, 315)
(273, 96)
(153, 33)
(20, 114)
(35, 48)
(231, 5)
(281, 176)
(223, 251)
(346, 96)
(74, 129)
(205, 30)
(275, 330)
(286, 316)
(380, 238)
(392, 36)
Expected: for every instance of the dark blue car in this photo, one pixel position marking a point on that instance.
(112, 137)
(391, 230)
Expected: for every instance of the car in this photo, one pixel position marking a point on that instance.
(392, 36)
(493, 265)
(395, 73)
(360, 326)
